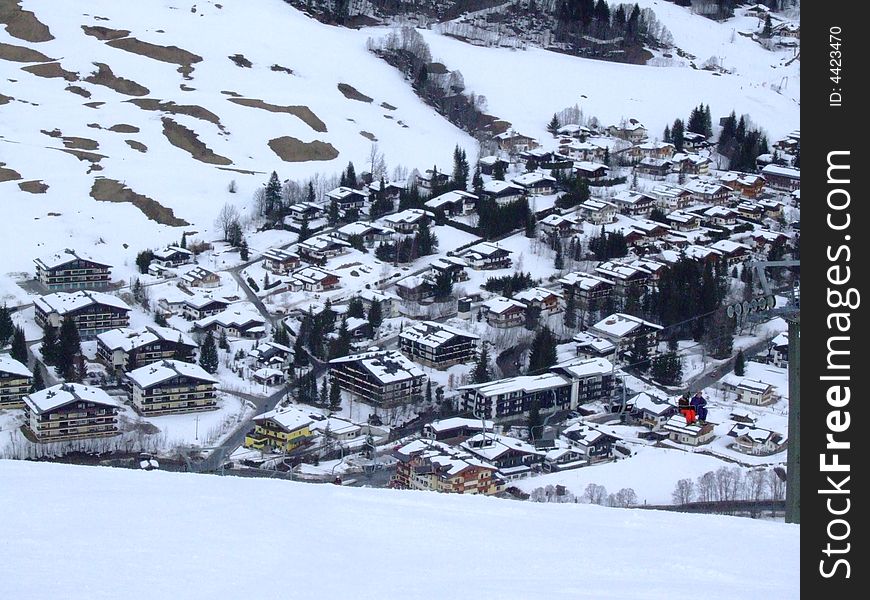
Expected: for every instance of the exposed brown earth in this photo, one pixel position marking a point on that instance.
(75, 89)
(186, 139)
(104, 33)
(186, 88)
(93, 104)
(8, 174)
(241, 61)
(109, 190)
(233, 94)
(23, 24)
(280, 68)
(245, 171)
(80, 143)
(387, 106)
(34, 187)
(5, 99)
(289, 149)
(83, 155)
(168, 54)
(191, 110)
(302, 112)
(352, 93)
(137, 145)
(124, 128)
(54, 133)
(15, 53)
(105, 77)
(51, 70)
(369, 135)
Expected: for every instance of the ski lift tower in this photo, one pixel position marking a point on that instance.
(765, 305)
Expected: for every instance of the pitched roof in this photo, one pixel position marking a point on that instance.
(62, 394)
(65, 302)
(158, 372)
(13, 367)
(68, 255)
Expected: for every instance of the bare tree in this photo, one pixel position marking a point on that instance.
(707, 487)
(728, 481)
(227, 216)
(377, 164)
(595, 494)
(683, 492)
(625, 497)
(755, 485)
(776, 484)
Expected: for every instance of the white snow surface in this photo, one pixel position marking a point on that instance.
(165, 535)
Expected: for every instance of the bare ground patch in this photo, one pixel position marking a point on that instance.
(368, 135)
(54, 133)
(191, 110)
(109, 190)
(244, 171)
(283, 69)
(387, 106)
(137, 145)
(8, 174)
(78, 90)
(302, 112)
(229, 93)
(289, 149)
(83, 155)
(15, 53)
(352, 93)
(186, 139)
(80, 143)
(23, 24)
(124, 128)
(51, 70)
(93, 104)
(5, 99)
(241, 61)
(168, 54)
(105, 77)
(36, 186)
(186, 88)
(104, 33)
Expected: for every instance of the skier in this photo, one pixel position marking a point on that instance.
(686, 409)
(699, 404)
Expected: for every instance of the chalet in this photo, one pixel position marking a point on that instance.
(757, 10)
(536, 183)
(435, 466)
(92, 312)
(512, 141)
(582, 151)
(409, 220)
(597, 211)
(747, 185)
(70, 270)
(335, 428)
(382, 378)
(451, 265)
(488, 164)
(572, 130)
(691, 164)
(734, 253)
(319, 248)
(126, 349)
(172, 387)
(693, 434)
(632, 130)
(487, 255)
(654, 150)
(700, 254)
(282, 430)
(301, 211)
(200, 306)
(172, 256)
(683, 220)
(591, 171)
(536, 156)
(548, 302)
(591, 379)
(280, 261)
(561, 226)
(592, 346)
(391, 190)
(70, 411)
(630, 202)
(590, 291)
(708, 192)
(268, 376)
(347, 198)
(671, 197)
(158, 270)
(782, 178)
(787, 30)
(749, 391)
(315, 279)
(415, 288)
(777, 351)
(270, 355)
(624, 276)
(201, 277)
(764, 239)
(432, 179)
(624, 331)
(512, 398)
(512, 457)
(502, 192)
(656, 168)
(388, 301)
(504, 312)
(718, 215)
(741, 415)
(370, 233)
(694, 141)
(749, 439)
(456, 202)
(643, 232)
(595, 446)
(455, 429)
(234, 322)
(650, 412)
(15, 381)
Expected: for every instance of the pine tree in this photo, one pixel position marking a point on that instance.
(558, 259)
(7, 327)
(376, 316)
(740, 364)
(553, 126)
(304, 230)
(666, 137)
(356, 309)
(48, 349)
(350, 176)
(334, 397)
(543, 352)
(19, 346)
(535, 423)
(160, 319)
(531, 225)
(68, 348)
(498, 170)
(428, 397)
(767, 31)
(341, 345)
(244, 251)
(460, 169)
(272, 196)
(477, 181)
(677, 132)
(223, 342)
(481, 372)
(570, 316)
(640, 354)
(324, 392)
(208, 356)
(300, 356)
(38, 383)
(443, 287)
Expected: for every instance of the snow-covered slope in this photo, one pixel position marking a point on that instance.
(91, 532)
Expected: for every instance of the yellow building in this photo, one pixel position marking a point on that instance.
(282, 429)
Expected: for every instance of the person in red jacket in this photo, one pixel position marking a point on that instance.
(686, 409)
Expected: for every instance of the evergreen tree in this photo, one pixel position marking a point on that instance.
(7, 327)
(160, 319)
(558, 259)
(460, 169)
(767, 31)
(719, 336)
(223, 342)
(208, 356)
(498, 170)
(143, 260)
(300, 356)
(350, 176)
(376, 315)
(19, 346)
(481, 372)
(543, 352)
(272, 195)
(740, 364)
(38, 383)
(443, 287)
(640, 354)
(535, 422)
(356, 309)
(428, 397)
(304, 230)
(553, 126)
(183, 242)
(244, 252)
(477, 181)
(333, 216)
(334, 397)
(570, 316)
(531, 225)
(677, 132)
(324, 392)
(68, 348)
(48, 349)
(341, 345)
(666, 136)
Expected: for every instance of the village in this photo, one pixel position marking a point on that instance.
(457, 331)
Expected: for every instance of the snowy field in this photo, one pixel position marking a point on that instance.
(161, 535)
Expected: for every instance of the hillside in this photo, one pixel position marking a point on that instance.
(161, 535)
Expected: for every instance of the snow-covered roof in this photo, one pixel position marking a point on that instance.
(376, 295)
(598, 344)
(409, 216)
(536, 294)
(62, 394)
(780, 340)
(758, 435)
(232, 317)
(335, 425)
(170, 250)
(290, 418)
(129, 339)
(65, 302)
(678, 424)
(13, 367)
(655, 406)
(523, 383)
(198, 273)
(589, 166)
(312, 274)
(728, 246)
(450, 198)
(490, 446)
(68, 255)
(501, 305)
(323, 241)
(631, 197)
(584, 281)
(158, 372)
(585, 367)
(340, 193)
(621, 324)
(459, 422)
(496, 186)
(700, 186)
(432, 334)
(595, 205)
(490, 160)
(781, 171)
(201, 300)
(746, 383)
(280, 254)
(387, 366)
(527, 179)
